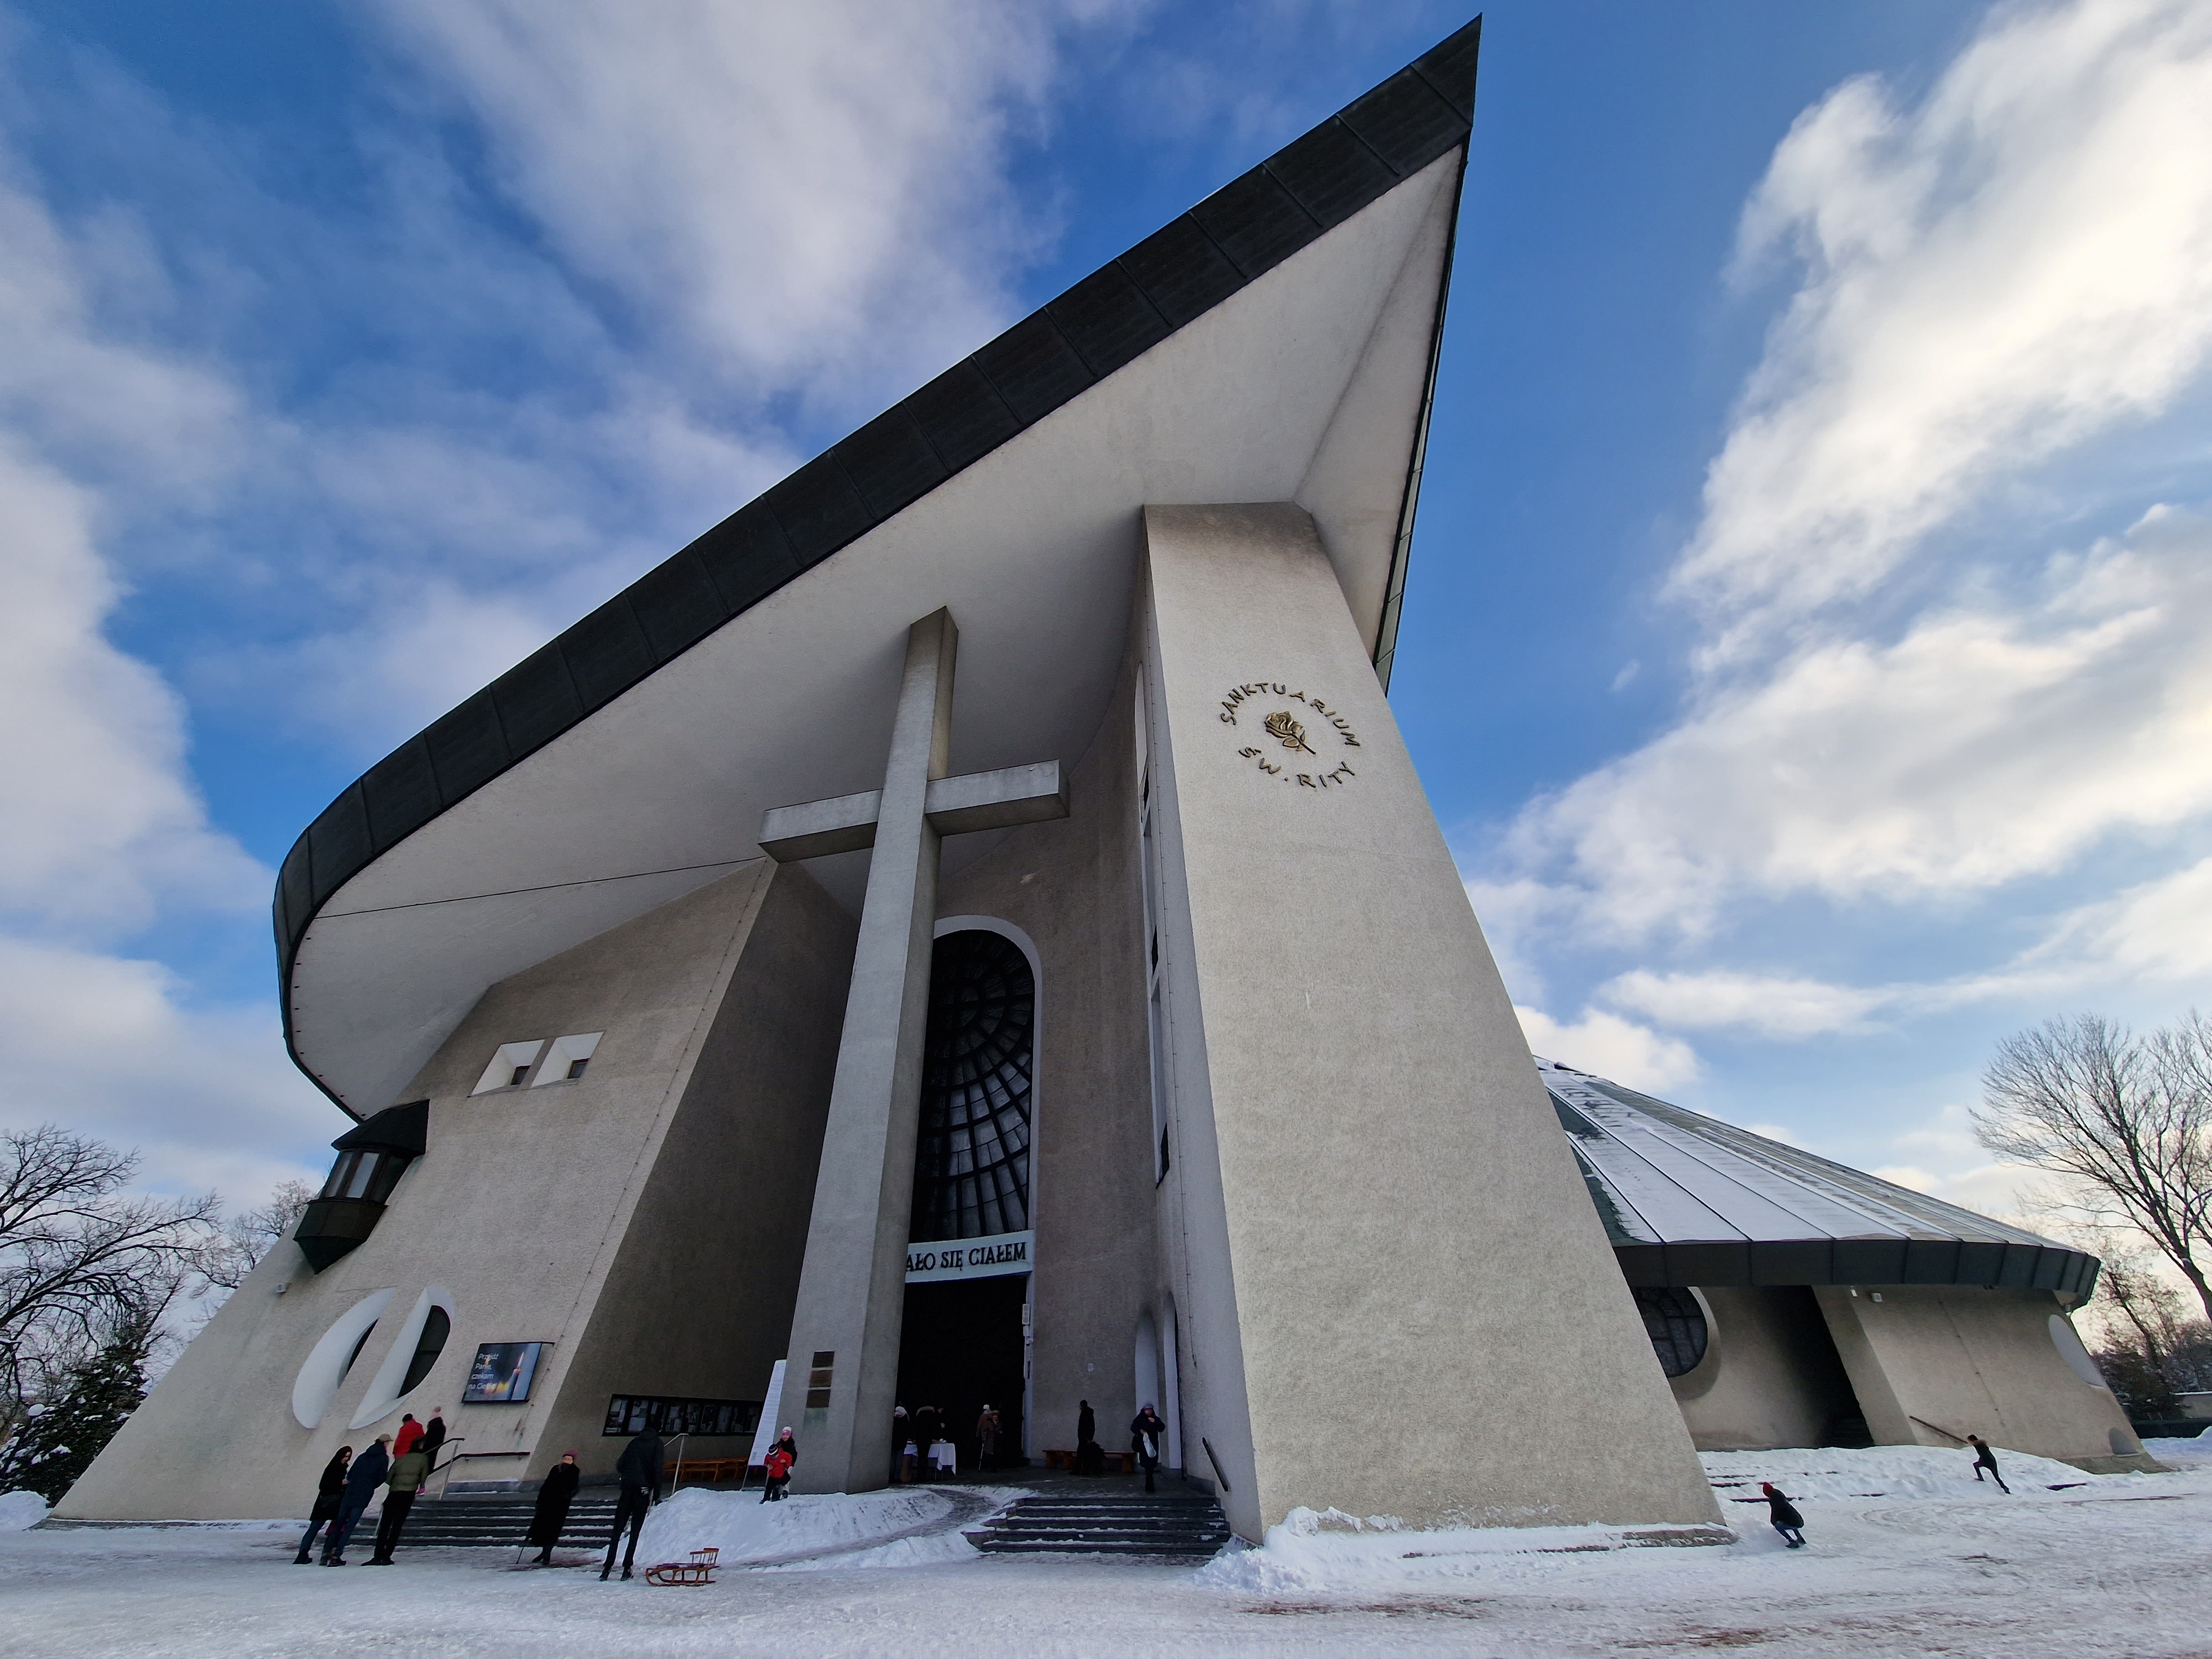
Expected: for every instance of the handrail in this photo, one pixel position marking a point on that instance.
(447, 1466)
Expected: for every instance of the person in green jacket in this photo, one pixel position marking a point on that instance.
(408, 1473)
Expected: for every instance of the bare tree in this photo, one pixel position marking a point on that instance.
(2126, 1122)
(247, 1237)
(78, 1258)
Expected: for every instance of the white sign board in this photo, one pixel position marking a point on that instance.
(969, 1258)
(771, 1407)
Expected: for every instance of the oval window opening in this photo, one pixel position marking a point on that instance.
(1676, 1326)
(432, 1343)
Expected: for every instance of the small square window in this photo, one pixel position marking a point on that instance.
(566, 1060)
(510, 1067)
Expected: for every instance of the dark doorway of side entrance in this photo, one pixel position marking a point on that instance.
(961, 1350)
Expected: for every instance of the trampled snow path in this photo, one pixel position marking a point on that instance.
(2112, 1568)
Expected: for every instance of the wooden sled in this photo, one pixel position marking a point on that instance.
(699, 1569)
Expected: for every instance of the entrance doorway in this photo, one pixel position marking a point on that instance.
(963, 1343)
(962, 1350)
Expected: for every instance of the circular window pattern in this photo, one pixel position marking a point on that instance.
(1675, 1324)
(971, 1163)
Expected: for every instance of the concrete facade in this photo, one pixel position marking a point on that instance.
(1931, 1365)
(624, 1218)
(1339, 1037)
(1770, 1376)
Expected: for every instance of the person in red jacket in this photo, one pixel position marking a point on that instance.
(781, 1456)
(410, 1432)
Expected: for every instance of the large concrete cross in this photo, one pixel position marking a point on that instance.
(851, 1289)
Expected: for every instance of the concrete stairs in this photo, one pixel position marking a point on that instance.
(500, 1522)
(1178, 1522)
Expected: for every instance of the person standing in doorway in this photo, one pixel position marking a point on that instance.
(555, 1494)
(986, 1439)
(901, 1468)
(639, 1470)
(1783, 1514)
(1986, 1458)
(925, 1429)
(329, 1495)
(1089, 1456)
(409, 1472)
(362, 1480)
(1146, 1431)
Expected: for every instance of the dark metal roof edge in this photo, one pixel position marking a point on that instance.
(1196, 262)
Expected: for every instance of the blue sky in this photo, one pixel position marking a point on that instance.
(1806, 644)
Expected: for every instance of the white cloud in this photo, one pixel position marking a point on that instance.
(1994, 739)
(1774, 1005)
(107, 1046)
(2021, 261)
(1611, 1047)
(811, 194)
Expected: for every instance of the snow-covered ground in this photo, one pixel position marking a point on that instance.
(1907, 1556)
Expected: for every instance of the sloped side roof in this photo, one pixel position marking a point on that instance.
(1100, 324)
(1687, 1200)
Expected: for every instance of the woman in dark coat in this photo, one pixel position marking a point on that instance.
(1784, 1514)
(329, 1491)
(552, 1512)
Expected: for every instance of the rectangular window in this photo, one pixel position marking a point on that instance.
(1148, 855)
(668, 1416)
(566, 1060)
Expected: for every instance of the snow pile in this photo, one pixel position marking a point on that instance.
(1882, 1471)
(2180, 1454)
(1331, 1550)
(745, 1530)
(20, 1510)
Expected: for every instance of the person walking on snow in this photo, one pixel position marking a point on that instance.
(362, 1480)
(557, 1492)
(639, 1470)
(329, 1494)
(1145, 1430)
(1984, 1458)
(782, 1458)
(408, 1473)
(1784, 1514)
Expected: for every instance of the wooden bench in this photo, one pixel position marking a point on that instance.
(1116, 1462)
(706, 1471)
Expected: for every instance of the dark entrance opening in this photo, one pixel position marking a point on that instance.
(962, 1350)
(962, 1344)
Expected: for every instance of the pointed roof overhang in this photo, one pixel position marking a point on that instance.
(1276, 343)
(1688, 1199)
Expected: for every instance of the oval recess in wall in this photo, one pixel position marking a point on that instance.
(388, 1390)
(328, 1361)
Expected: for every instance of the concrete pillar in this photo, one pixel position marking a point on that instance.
(1383, 1243)
(851, 1289)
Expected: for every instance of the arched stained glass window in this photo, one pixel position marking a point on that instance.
(971, 1164)
(1676, 1326)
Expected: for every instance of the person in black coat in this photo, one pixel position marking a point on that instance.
(330, 1494)
(639, 1470)
(433, 1436)
(1089, 1456)
(557, 1492)
(1985, 1458)
(1784, 1514)
(362, 1480)
(1146, 1433)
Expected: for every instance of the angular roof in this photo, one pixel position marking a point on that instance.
(1276, 343)
(1687, 1200)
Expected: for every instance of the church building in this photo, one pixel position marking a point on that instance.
(967, 931)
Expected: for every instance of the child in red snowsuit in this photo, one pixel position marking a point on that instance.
(778, 1464)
